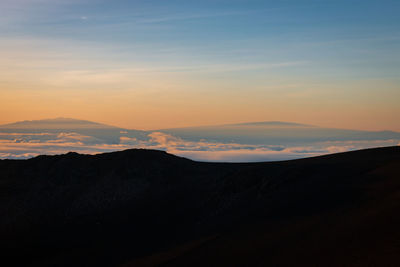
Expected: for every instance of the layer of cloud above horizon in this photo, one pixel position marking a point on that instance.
(26, 145)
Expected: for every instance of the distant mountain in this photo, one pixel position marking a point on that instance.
(276, 133)
(269, 123)
(147, 208)
(57, 123)
(95, 133)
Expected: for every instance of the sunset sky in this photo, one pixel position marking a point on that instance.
(163, 64)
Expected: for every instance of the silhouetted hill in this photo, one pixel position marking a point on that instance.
(147, 207)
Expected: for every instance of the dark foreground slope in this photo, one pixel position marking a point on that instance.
(143, 208)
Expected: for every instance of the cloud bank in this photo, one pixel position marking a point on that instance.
(27, 145)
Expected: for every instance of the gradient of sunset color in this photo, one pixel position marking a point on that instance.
(164, 64)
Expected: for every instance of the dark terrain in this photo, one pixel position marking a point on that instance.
(144, 208)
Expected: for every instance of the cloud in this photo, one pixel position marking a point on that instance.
(26, 145)
(128, 140)
(234, 152)
(243, 155)
(70, 137)
(30, 149)
(23, 134)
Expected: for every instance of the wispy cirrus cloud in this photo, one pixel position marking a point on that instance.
(193, 16)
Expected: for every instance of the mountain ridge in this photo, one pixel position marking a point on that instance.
(146, 207)
(31, 123)
(70, 122)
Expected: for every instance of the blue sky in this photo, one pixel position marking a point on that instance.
(361, 36)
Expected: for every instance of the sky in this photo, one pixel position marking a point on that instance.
(164, 64)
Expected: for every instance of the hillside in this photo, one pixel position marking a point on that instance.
(147, 207)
